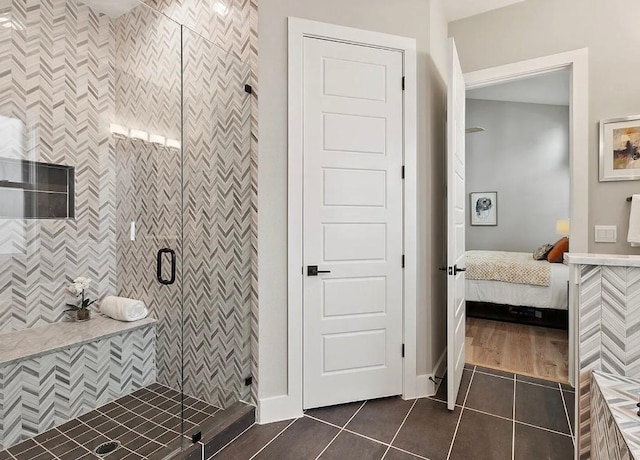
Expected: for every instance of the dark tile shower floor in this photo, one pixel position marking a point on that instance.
(498, 416)
(146, 423)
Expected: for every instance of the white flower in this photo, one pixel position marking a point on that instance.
(82, 281)
(79, 285)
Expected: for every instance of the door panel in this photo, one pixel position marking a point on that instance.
(353, 79)
(354, 133)
(354, 242)
(366, 349)
(353, 187)
(353, 151)
(456, 209)
(354, 296)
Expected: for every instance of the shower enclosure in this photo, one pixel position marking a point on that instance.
(127, 157)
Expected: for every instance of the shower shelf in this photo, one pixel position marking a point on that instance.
(38, 341)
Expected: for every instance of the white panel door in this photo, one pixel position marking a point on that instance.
(456, 207)
(353, 155)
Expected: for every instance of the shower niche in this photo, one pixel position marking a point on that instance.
(33, 190)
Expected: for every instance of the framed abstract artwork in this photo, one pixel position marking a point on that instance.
(620, 149)
(484, 208)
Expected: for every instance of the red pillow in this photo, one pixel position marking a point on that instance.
(556, 256)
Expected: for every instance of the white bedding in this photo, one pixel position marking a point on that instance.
(525, 295)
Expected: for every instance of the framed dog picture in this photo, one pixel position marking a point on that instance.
(620, 149)
(484, 208)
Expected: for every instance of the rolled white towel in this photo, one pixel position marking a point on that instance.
(123, 309)
(634, 222)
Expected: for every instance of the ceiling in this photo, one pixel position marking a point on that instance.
(551, 88)
(113, 8)
(455, 9)
(459, 9)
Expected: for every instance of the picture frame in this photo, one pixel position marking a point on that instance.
(620, 149)
(484, 209)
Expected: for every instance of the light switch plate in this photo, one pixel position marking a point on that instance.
(606, 234)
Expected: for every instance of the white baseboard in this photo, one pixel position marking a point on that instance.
(286, 407)
(276, 409)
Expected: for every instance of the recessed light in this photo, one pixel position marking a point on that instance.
(157, 139)
(137, 134)
(174, 144)
(119, 131)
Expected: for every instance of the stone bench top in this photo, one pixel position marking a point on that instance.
(621, 395)
(37, 341)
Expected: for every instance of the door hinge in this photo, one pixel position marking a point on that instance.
(403, 172)
(403, 350)
(402, 260)
(403, 83)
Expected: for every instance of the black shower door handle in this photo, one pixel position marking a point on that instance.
(161, 253)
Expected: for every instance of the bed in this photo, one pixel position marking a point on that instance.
(514, 286)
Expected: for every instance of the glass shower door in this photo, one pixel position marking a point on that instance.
(127, 159)
(148, 173)
(217, 220)
(91, 183)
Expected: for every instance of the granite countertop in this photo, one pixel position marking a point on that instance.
(621, 394)
(37, 341)
(613, 260)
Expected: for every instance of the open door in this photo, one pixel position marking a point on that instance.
(456, 309)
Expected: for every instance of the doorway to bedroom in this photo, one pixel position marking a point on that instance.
(518, 182)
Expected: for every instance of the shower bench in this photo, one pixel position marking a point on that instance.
(615, 424)
(54, 373)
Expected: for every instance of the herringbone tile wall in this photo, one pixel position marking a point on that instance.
(217, 223)
(608, 442)
(218, 210)
(56, 98)
(232, 26)
(39, 393)
(149, 190)
(608, 335)
(228, 24)
(71, 71)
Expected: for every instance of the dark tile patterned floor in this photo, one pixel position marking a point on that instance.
(147, 424)
(499, 416)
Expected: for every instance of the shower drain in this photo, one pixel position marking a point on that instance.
(107, 447)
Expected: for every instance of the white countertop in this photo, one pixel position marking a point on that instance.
(614, 260)
(37, 341)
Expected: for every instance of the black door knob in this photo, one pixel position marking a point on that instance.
(312, 270)
(458, 270)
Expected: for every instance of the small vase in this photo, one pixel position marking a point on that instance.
(83, 315)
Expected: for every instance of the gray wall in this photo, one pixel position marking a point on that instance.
(537, 28)
(524, 156)
(410, 18)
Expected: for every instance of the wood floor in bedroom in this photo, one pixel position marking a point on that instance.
(527, 350)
